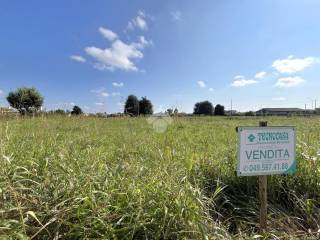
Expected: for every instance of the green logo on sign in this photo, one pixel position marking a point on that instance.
(251, 137)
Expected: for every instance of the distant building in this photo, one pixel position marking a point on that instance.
(280, 111)
(7, 111)
(230, 112)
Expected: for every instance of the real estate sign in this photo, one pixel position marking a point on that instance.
(266, 150)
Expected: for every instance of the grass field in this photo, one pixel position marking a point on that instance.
(91, 178)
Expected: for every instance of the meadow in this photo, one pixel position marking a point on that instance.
(118, 178)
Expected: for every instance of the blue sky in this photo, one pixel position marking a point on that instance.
(95, 53)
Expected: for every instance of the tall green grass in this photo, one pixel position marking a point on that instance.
(90, 178)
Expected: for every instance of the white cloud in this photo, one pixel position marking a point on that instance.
(115, 94)
(78, 58)
(143, 42)
(243, 82)
(141, 23)
(240, 81)
(176, 15)
(238, 77)
(99, 103)
(104, 94)
(279, 99)
(138, 22)
(289, 82)
(201, 84)
(108, 34)
(211, 89)
(117, 84)
(100, 92)
(260, 75)
(1, 93)
(292, 65)
(119, 56)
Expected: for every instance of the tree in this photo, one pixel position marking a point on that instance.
(131, 106)
(145, 106)
(60, 112)
(25, 100)
(76, 110)
(169, 111)
(203, 108)
(175, 112)
(250, 113)
(219, 110)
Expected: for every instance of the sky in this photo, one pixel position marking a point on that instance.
(95, 53)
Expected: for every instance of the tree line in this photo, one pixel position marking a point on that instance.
(206, 108)
(135, 107)
(29, 101)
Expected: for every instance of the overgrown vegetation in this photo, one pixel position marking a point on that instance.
(93, 178)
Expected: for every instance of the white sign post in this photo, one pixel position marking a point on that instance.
(265, 151)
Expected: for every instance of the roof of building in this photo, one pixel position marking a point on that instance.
(281, 109)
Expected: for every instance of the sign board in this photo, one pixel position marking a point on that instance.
(266, 150)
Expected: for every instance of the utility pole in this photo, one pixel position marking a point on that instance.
(305, 109)
(312, 102)
(105, 106)
(231, 109)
